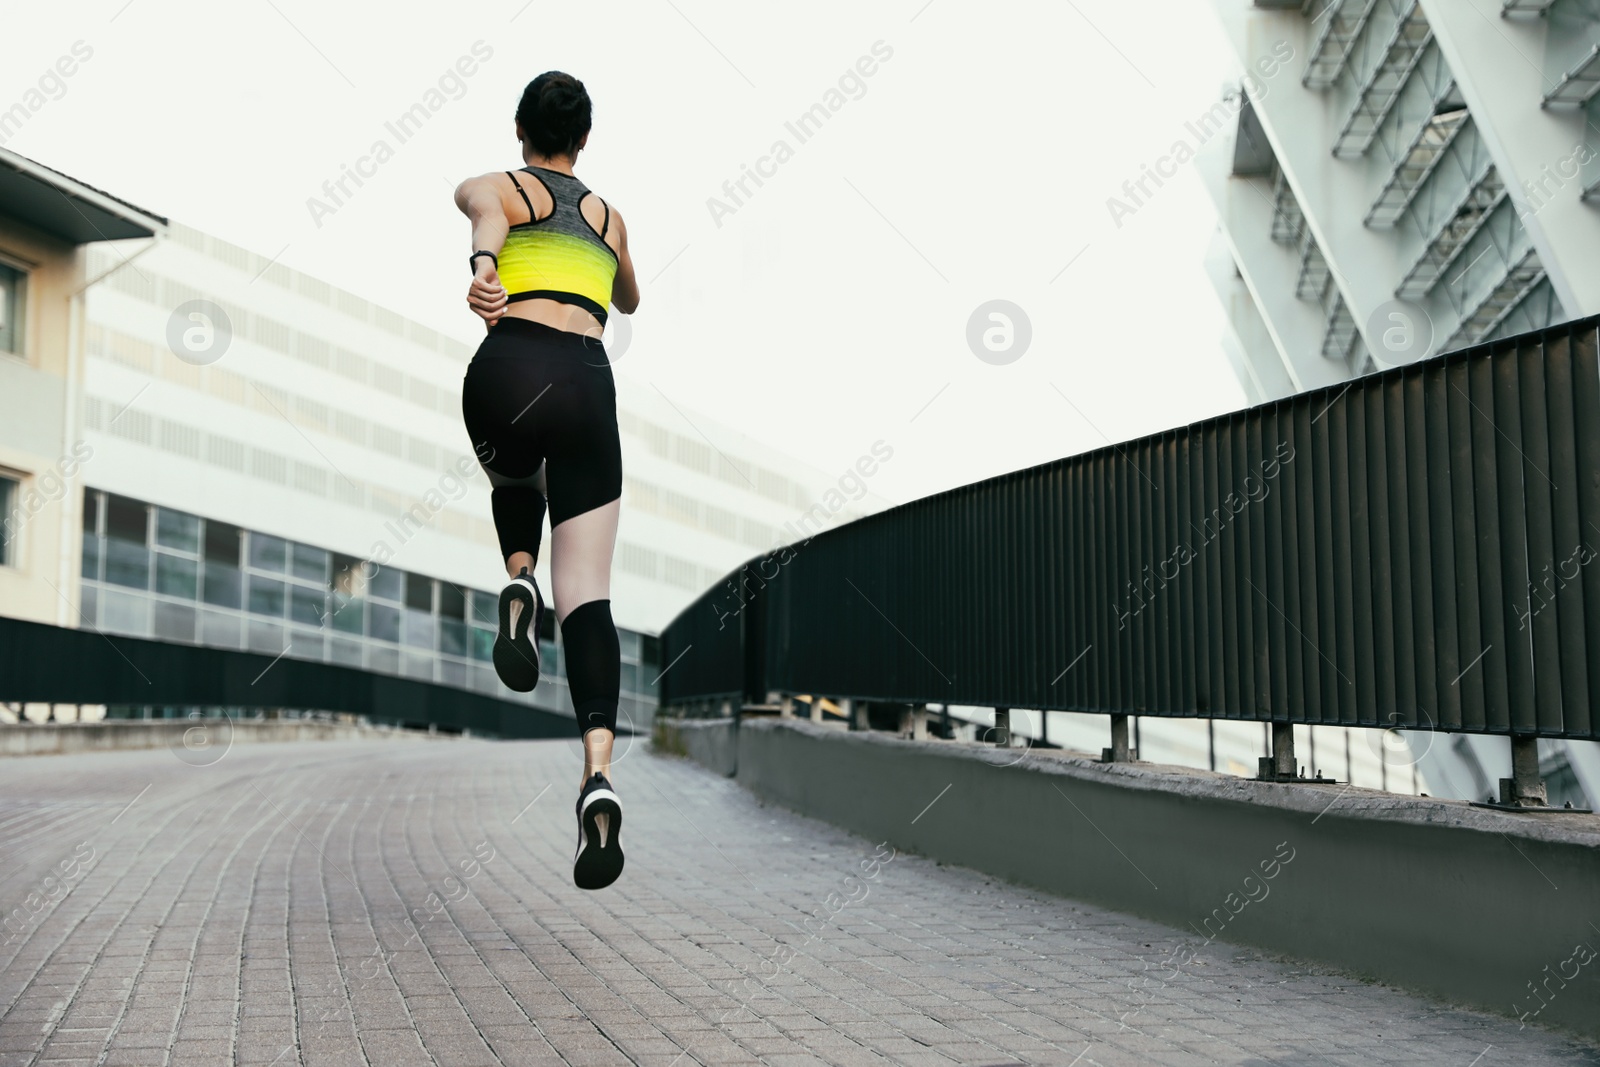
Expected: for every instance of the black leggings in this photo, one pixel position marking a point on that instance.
(535, 395)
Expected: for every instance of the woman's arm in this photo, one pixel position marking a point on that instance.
(625, 288)
(479, 200)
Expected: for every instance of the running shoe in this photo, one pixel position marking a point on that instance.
(516, 648)
(598, 860)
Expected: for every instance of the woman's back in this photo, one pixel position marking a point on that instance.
(558, 251)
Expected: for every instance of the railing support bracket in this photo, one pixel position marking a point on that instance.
(1525, 791)
(1281, 766)
(1119, 752)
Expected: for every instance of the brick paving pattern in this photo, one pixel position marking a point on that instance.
(412, 903)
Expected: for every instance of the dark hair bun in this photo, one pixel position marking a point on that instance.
(555, 113)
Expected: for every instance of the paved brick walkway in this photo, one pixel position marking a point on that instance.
(407, 902)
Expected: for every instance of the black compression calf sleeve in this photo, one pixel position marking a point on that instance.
(518, 519)
(594, 664)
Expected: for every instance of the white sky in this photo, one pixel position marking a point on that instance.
(827, 311)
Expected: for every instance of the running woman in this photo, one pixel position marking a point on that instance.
(540, 404)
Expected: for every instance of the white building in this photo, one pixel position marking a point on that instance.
(1400, 178)
(269, 462)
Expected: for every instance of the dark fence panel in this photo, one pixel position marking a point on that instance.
(66, 666)
(701, 653)
(1408, 549)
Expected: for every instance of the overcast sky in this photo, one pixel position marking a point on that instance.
(825, 310)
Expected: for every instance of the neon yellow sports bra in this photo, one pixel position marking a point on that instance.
(559, 257)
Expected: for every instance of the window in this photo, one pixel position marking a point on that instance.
(176, 576)
(268, 553)
(9, 521)
(13, 301)
(176, 530)
(127, 542)
(222, 543)
(309, 564)
(383, 622)
(452, 601)
(419, 592)
(222, 585)
(385, 583)
(267, 596)
(91, 535)
(307, 606)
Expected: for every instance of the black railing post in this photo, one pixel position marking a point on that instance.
(1525, 788)
(1280, 764)
(1119, 752)
(1002, 727)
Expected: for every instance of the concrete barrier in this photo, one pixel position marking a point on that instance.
(1492, 910)
(710, 742)
(202, 738)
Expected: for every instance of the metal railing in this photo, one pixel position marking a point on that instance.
(1407, 550)
(59, 665)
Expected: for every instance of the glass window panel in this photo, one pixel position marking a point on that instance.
(176, 576)
(13, 285)
(350, 615)
(385, 582)
(384, 659)
(349, 575)
(630, 677)
(222, 585)
(483, 645)
(383, 622)
(268, 553)
(125, 519)
(452, 601)
(91, 557)
(306, 606)
(650, 649)
(629, 642)
(309, 564)
(419, 593)
(453, 637)
(128, 563)
(484, 608)
(420, 631)
(174, 529)
(267, 596)
(8, 501)
(222, 543)
(91, 511)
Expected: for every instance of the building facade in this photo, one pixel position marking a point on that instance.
(1399, 178)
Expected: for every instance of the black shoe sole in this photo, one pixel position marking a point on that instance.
(597, 866)
(516, 659)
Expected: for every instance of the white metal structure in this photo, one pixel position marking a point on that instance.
(1419, 176)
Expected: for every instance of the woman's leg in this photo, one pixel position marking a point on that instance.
(518, 505)
(519, 560)
(581, 548)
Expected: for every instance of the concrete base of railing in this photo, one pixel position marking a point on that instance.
(1477, 907)
(192, 735)
(706, 741)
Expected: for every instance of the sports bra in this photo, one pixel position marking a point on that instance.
(559, 257)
